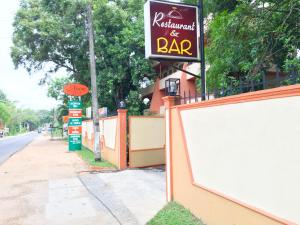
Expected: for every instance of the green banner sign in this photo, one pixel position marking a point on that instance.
(75, 105)
(74, 142)
(73, 122)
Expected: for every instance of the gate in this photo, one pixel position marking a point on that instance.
(146, 141)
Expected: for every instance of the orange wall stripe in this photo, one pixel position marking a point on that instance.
(281, 92)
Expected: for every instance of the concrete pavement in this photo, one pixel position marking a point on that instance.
(45, 184)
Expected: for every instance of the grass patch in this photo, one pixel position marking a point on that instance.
(174, 214)
(88, 156)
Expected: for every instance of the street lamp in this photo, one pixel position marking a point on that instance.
(122, 104)
(172, 87)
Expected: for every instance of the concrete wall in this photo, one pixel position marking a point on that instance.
(146, 141)
(236, 160)
(88, 134)
(109, 128)
(112, 138)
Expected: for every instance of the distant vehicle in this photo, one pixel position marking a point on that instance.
(39, 130)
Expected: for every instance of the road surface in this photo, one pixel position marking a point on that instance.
(10, 146)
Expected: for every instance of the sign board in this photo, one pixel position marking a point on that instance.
(75, 122)
(76, 89)
(65, 119)
(75, 113)
(88, 112)
(75, 125)
(75, 104)
(74, 142)
(74, 130)
(171, 31)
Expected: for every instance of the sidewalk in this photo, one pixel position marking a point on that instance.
(44, 184)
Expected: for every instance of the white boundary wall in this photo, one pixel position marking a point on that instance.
(249, 151)
(90, 129)
(109, 132)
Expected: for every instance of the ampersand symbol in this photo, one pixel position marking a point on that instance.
(174, 33)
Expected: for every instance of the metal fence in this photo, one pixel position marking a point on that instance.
(243, 86)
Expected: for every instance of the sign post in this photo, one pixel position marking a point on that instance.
(75, 125)
(75, 115)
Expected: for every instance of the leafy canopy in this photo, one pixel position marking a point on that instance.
(51, 34)
(252, 38)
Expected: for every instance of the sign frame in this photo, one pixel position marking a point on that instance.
(148, 35)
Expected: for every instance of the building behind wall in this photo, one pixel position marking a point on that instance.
(165, 70)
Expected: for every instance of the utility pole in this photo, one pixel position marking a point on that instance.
(97, 150)
(202, 58)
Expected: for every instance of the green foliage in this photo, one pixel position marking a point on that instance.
(4, 113)
(251, 38)
(44, 116)
(55, 89)
(17, 119)
(215, 6)
(134, 105)
(174, 214)
(55, 31)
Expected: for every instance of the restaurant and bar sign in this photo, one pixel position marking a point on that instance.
(171, 31)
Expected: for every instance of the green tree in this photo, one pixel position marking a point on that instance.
(44, 117)
(252, 38)
(4, 113)
(54, 31)
(4, 108)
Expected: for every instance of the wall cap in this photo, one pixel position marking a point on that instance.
(280, 92)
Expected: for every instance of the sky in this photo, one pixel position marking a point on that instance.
(18, 85)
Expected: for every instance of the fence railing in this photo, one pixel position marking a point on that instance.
(259, 83)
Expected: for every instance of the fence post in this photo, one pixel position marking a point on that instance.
(169, 101)
(277, 77)
(264, 80)
(122, 129)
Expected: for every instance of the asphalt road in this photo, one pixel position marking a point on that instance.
(10, 146)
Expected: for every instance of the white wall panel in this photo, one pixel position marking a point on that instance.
(110, 131)
(147, 133)
(250, 152)
(90, 129)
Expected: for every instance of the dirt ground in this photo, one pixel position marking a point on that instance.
(44, 184)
